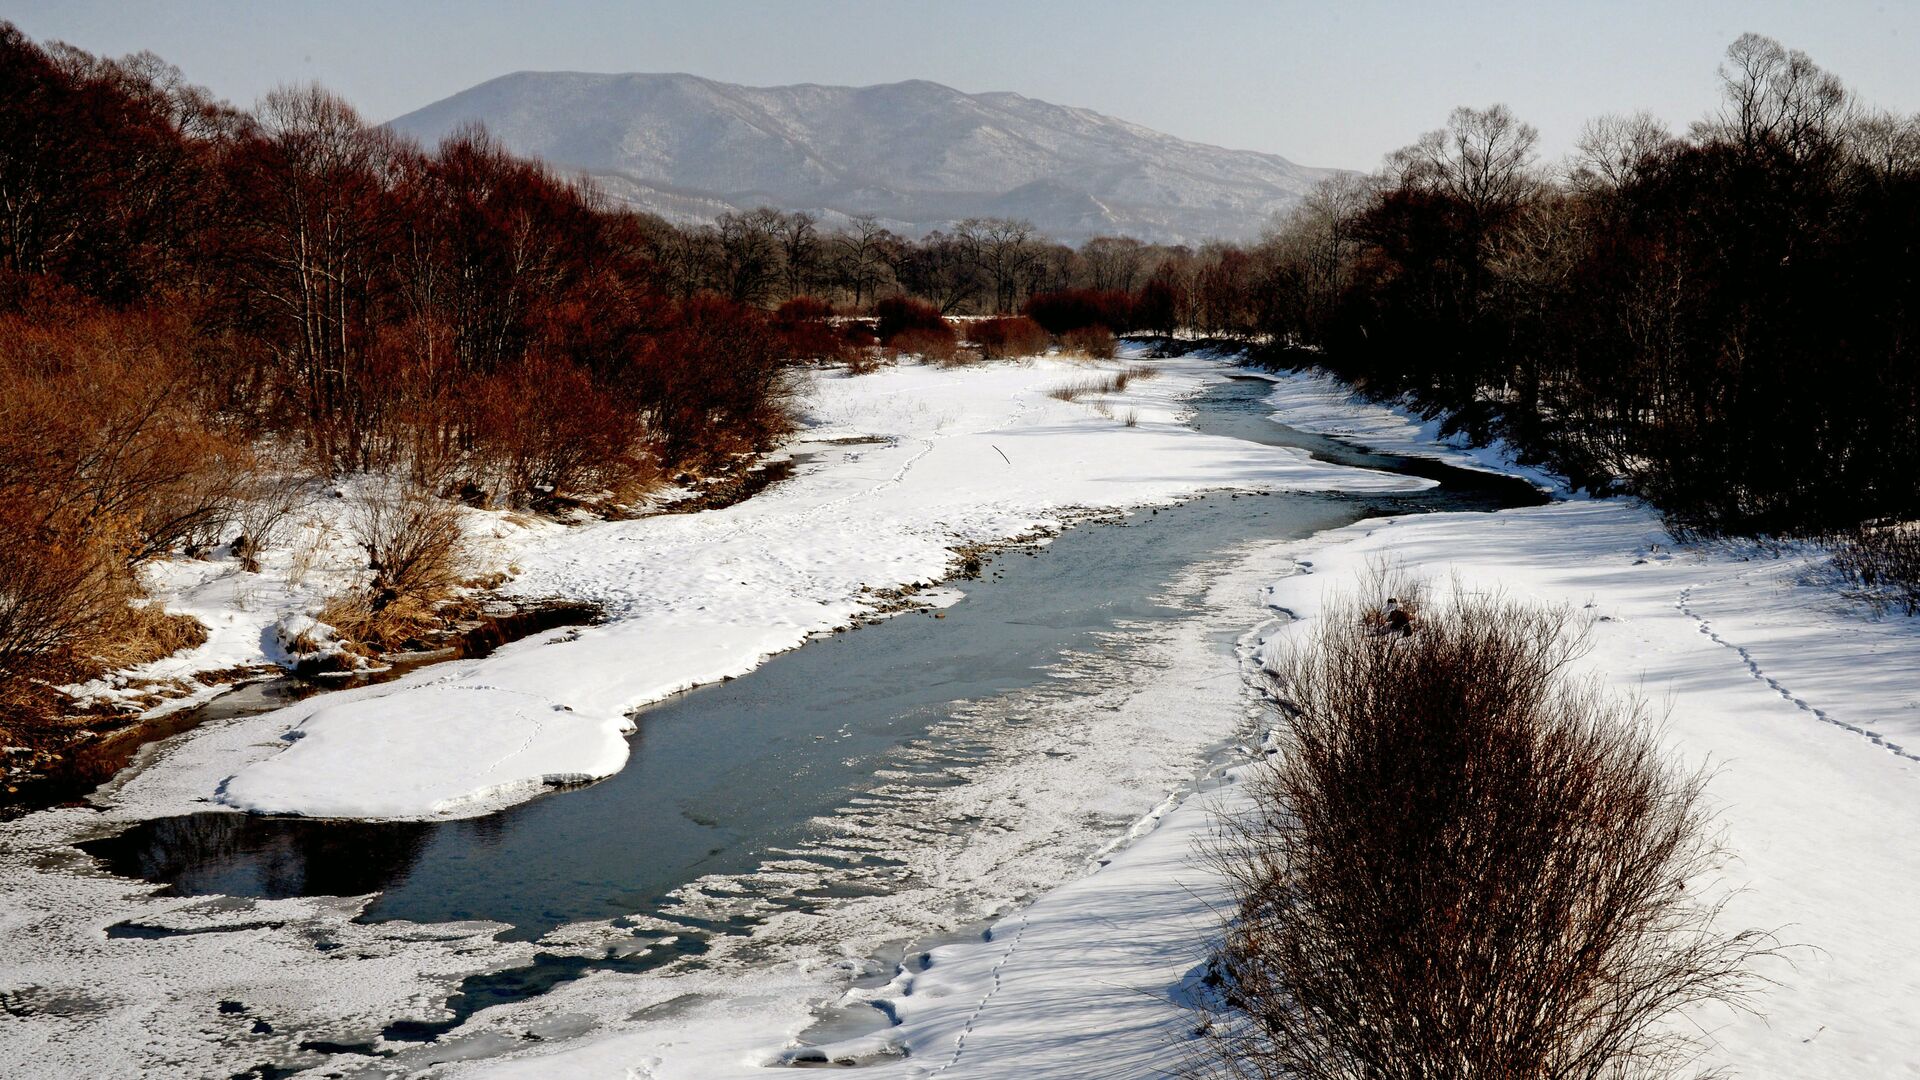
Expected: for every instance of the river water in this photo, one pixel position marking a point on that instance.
(727, 778)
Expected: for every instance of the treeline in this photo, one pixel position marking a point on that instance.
(1724, 321)
(197, 303)
(384, 304)
(979, 266)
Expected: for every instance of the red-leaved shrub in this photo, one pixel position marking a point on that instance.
(1092, 341)
(806, 333)
(936, 346)
(1066, 310)
(896, 314)
(1008, 336)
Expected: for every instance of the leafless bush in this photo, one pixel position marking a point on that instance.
(1008, 336)
(417, 553)
(863, 359)
(265, 513)
(1882, 560)
(1465, 863)
(57, 600)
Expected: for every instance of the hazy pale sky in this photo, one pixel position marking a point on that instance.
(1337, 82)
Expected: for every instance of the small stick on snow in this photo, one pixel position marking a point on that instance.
(1002, 453)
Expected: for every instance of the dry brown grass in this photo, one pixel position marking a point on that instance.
(1093, 385)
(145, 633)
(1465, 863)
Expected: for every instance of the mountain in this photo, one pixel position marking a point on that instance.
(916, 154)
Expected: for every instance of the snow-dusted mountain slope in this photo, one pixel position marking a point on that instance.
(916, 154)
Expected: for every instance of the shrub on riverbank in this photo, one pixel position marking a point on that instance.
(1464, 863)
(1094, 342)
(416, 556)
(1882, 561)
(1063, 311)
(1008, 336)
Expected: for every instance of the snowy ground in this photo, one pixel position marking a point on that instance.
(1808, 706)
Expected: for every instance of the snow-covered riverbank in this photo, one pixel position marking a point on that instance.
(905, 465)
(1808, 707)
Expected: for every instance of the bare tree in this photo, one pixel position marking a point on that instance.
(1113, 262)
(1005, 250)
(1483, 157)
(1885, 142)
(1613, 149)
(325, 220)
(1310, 256)
(751, 249)
(1776, 94)
(860, 257)
(944, 269)
(799, 238)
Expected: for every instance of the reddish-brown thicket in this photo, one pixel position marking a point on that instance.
(390, 306)
(906, 326)
(803, 309)
(183, 286)
(896, 314)
(1066, 310)
(544, 427)
(709, 382)
(935, 346)
(1007, 336)
(106, 459)
(1157, 306)
(1093, 341)
(806, 331)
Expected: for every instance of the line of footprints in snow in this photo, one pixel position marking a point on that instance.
(1774, 684)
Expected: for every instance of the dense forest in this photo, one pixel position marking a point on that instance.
(198, 303)
(1723, 321)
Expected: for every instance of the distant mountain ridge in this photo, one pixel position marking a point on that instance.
(916, 154)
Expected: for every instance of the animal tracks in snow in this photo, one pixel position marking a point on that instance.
(1753, 668)
(960, 1041)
